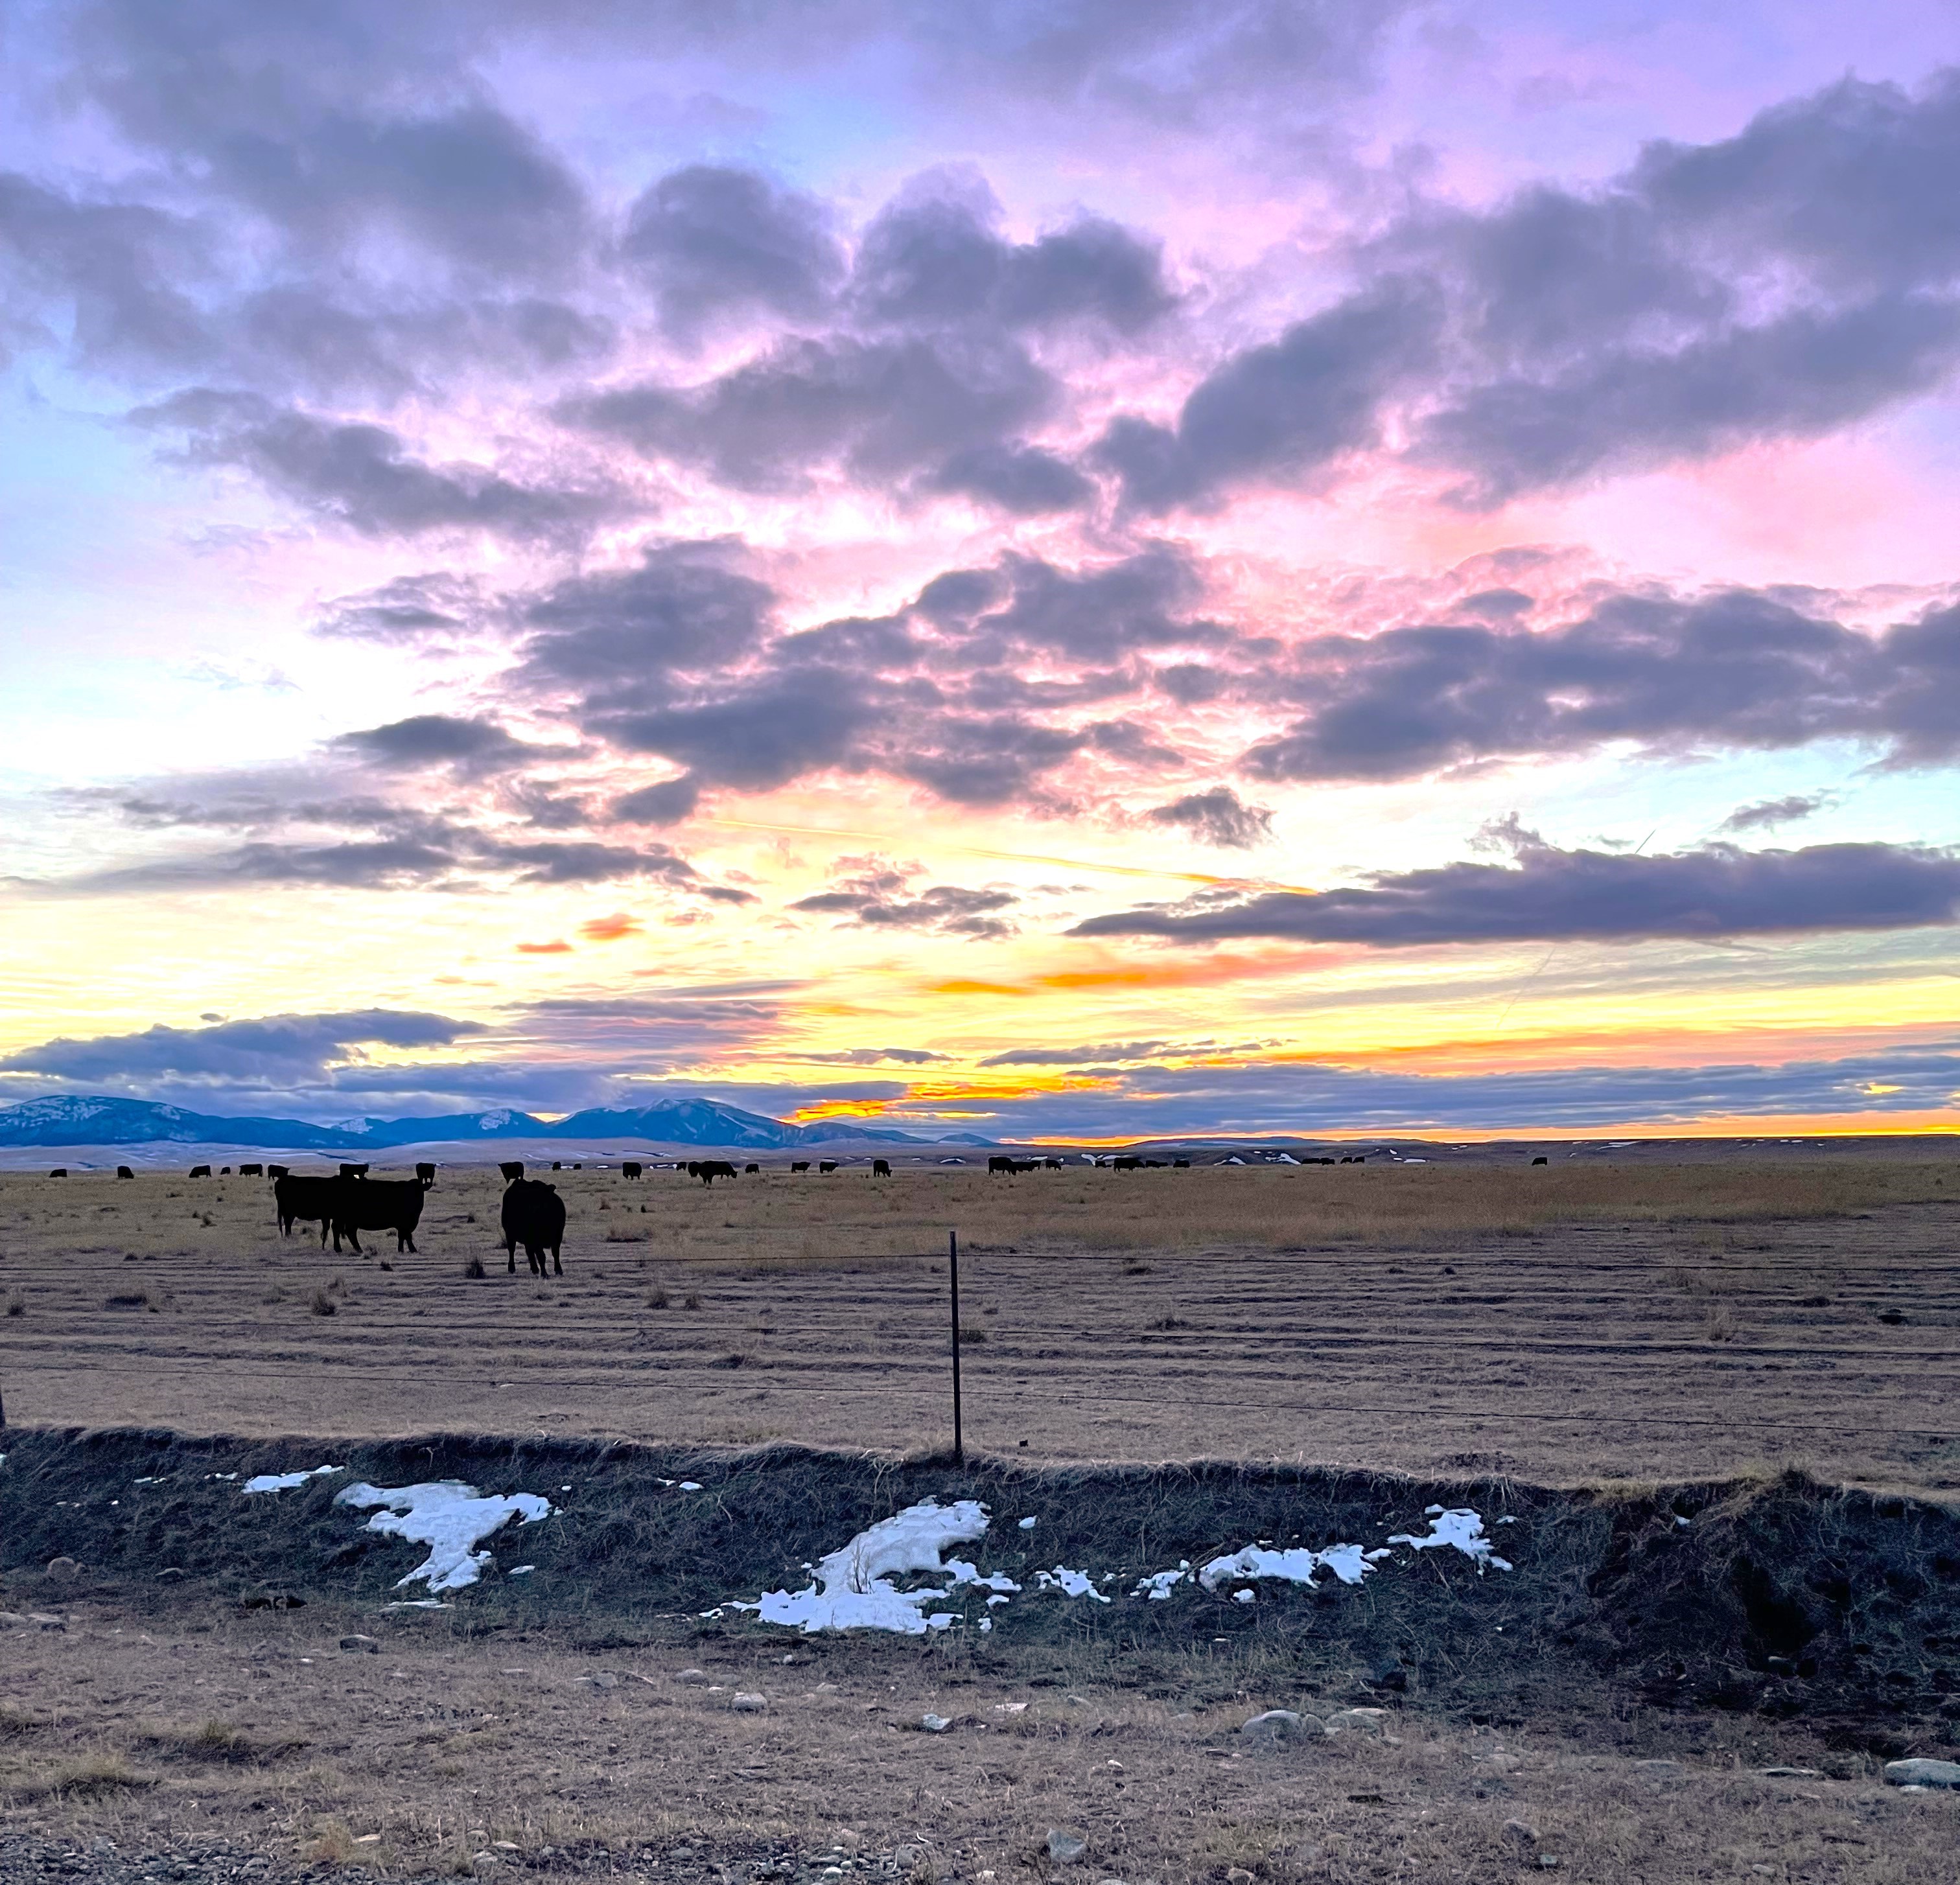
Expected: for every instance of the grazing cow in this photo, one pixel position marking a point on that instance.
(353, 1171)
(225, 1172)
(200, 1171)
(1127, 1162)
(378, 1204)
(59, 1172)
(1053, 1165)
(801, 1165)
(425, 1175)
(1540, 1162)
(302, 1200)
(1180, 1165)
(881, 1168)
(251, 1171)
(752, 1168)
(533, 1215)
(826, 1165)
(512, 1170)
(556, 1166)
(997, 1163)
(123, 1171)
(629, 1168)
(275, 1172)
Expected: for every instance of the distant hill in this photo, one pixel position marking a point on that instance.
(100, 1120)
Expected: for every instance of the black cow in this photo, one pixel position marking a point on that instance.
(425, 1175)
(826, 1165)
(123, 1171)
(708, 1170)
(1126, 1161)
(1180, 1165)
(751, 1168)
(629, 1168)
(200, 1171)
(1052, 1164)
(378, 1204)
(881, 1168)
(225, 1172)
(801, 1165)
(1540, 1162)
(558, 1165)
(302, 1200)
(997, 1163)
(251, 1171)
(59, 1172)
(353, 1171)
(512, 1170)
(276, 1172)
(534, 1216)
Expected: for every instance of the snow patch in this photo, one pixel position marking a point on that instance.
(280, 1482)
(1461, 1529)
(853, 1588)
(1069, 1583)
(1348, 1562)
(448, 1517)
(1158, 1586)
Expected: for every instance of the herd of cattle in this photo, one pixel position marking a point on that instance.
(533, 1214)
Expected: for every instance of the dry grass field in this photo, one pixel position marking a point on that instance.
(1652, 1319)
(255, 1735)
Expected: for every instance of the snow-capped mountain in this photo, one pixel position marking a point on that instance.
(102, 1120)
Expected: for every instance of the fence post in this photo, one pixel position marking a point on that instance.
(953, 1260)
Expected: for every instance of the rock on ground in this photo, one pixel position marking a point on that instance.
(1923, 1773)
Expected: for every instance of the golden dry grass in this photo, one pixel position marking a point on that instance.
(1667, 1318)
(439, 1748)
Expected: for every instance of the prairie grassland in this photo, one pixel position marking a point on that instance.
(1652, 1320)
(147, 1731)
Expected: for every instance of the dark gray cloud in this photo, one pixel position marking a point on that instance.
(1023, 480)
(1219, 816)
(932, 259)
(362, 475)
(1766, 814)
(712, 241)
(471, 745)
(118, 272)
(1110, 1050)
(1807, 373)
(879, 897)
(666, 803)
(280, 1048)
(1285, 411)
(686, 605)
(875, 1056)
(1549, 894)
(1738, 668)
(407, 609)
(880, 409)
(1326, 1096)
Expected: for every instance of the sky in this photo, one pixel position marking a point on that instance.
(1078, 569)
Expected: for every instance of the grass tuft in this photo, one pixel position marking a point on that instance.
(322, 1304)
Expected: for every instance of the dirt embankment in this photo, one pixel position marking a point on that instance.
(1782, 1598)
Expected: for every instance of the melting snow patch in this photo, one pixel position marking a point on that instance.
(1244, 1596)
(415, 1604)
(282, 1481)
(1159, 1585)
(1069, 1583)
(1348, 1562)
(689, 1485)
(1027, 1524)
(853, 1588)
(520, 1570)
(1462, 1529)
(449, 1518)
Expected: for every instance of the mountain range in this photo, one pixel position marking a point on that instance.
(102, 1120)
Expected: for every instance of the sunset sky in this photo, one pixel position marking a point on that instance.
(1084, 569)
